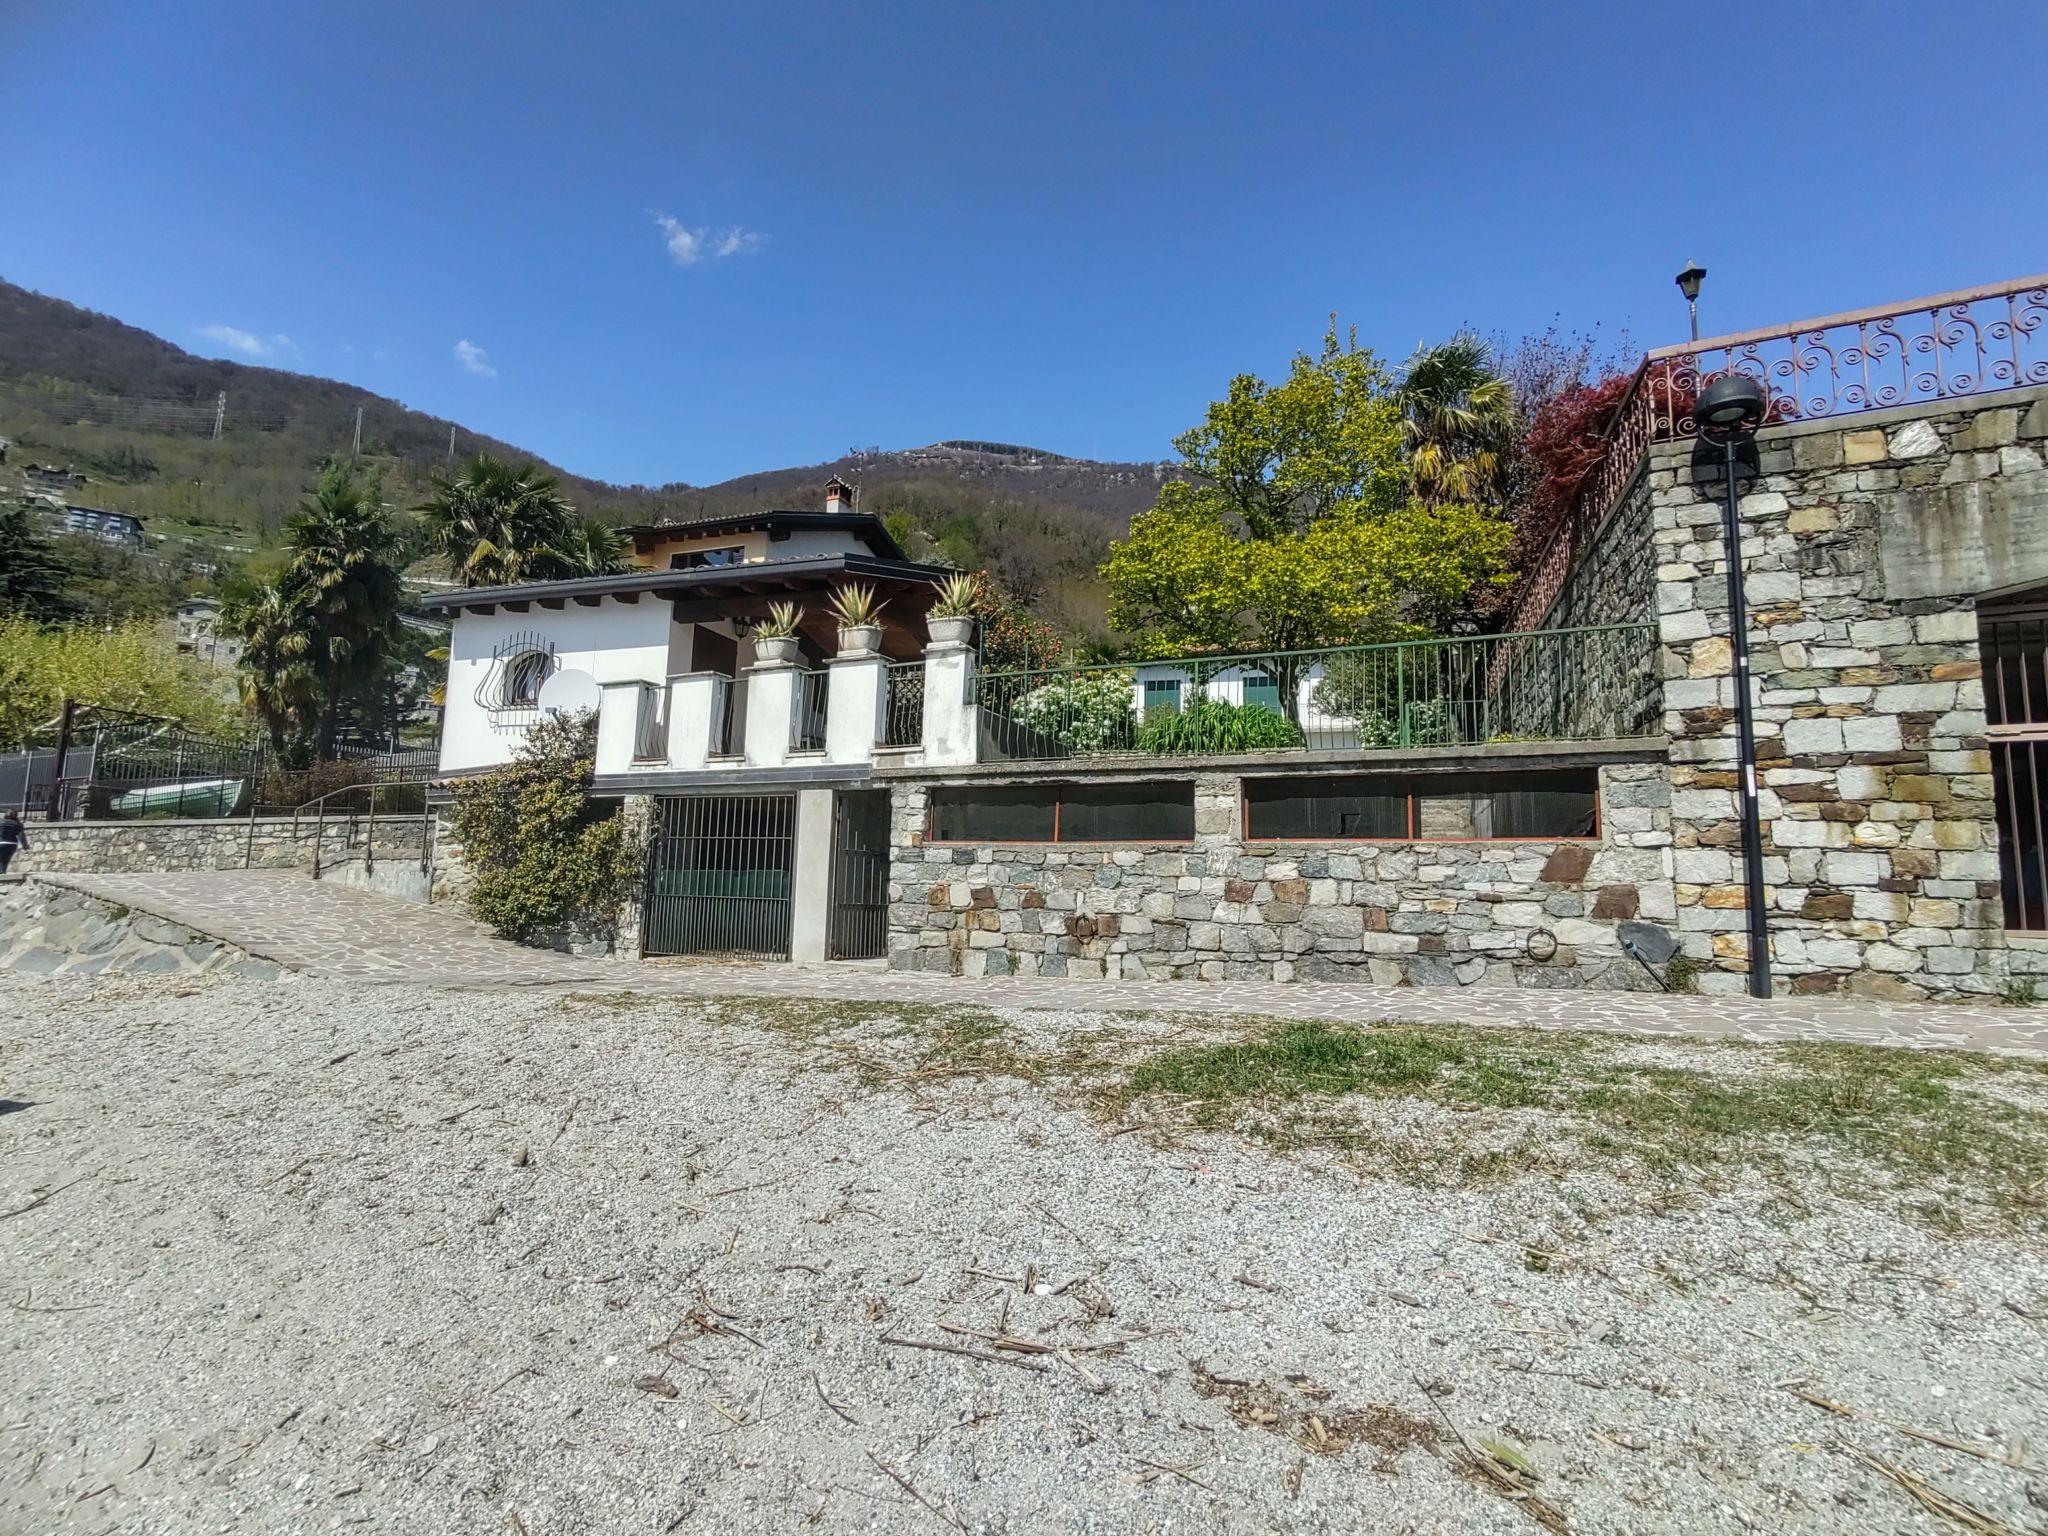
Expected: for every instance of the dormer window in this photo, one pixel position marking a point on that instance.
(709, 559)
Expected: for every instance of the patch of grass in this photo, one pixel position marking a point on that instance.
(2020, 992)
(1916, 1116)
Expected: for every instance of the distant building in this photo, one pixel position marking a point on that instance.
(197, 631)
(123, 528)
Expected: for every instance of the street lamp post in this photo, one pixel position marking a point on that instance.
(1729, 411)
(1689, 284)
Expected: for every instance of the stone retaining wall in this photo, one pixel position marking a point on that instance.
(1543, 914)
(1866, 543)
(174, 844)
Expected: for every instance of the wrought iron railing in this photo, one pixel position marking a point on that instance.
(807, 712)
(902, 704)
(728, 717)
(1555, 685)
(650, 724)
(1943, 347)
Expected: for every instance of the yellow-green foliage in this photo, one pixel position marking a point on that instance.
(1298, 525)
(131, 666)
(545, 857)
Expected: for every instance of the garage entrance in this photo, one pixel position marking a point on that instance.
(718, 876)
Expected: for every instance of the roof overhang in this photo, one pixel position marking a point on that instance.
(768, 579)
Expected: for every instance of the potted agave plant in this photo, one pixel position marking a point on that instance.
(951, 621)
(775, 636)
(860, 620)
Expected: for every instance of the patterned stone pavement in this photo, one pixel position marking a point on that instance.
(333, 931)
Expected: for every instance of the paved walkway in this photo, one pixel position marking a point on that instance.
(329, 930)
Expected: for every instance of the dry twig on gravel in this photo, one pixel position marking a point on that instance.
(23, 1210)
(1963, 1516)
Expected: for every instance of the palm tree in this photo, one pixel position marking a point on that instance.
(1459, 421)
(592, 549)
(343, 581)
(496, 525)
(278, 682)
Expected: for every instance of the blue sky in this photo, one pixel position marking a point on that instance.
(671, 241)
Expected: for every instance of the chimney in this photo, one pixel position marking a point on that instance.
(838, 495)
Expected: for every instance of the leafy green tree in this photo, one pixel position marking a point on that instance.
(1295, 526)
(33, 575)
(129, 666)
(496, 525)
(1459, 424)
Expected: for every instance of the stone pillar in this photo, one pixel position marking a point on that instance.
(810, 897)
(618, 720)
(952, 719)
(691, 696)
(771, 696)
(854, 699)
(636, 812)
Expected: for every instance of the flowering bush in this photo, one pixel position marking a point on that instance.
(1086, 711)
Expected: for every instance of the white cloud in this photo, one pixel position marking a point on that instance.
(687, 246)
(247, 343)
(475, 359)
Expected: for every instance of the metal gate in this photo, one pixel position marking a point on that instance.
(2012, 639)
(860, 874)
(718, 876)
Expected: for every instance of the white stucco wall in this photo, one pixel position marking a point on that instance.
(613, 642)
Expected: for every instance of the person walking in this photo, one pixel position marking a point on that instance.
(13, 837)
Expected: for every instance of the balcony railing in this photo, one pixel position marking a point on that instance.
(650, 724)
(807, 712)
(902, 704)
(1944, 347)
(728, 717)
(1555, 685)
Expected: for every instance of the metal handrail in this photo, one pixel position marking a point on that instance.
(318, 805)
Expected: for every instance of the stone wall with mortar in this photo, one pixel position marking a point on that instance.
(172, 845)
(1223, 908)
(1613, 582)
(1866, 542)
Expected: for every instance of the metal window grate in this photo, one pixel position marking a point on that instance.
(718, 876)
(2013, 644)
(860, 874)
(650, 724)
(728, 717)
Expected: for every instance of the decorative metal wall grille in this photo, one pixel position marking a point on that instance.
(718, 876)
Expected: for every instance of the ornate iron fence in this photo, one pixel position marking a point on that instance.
(902, 704)
(1943, 347)
(1555, 685)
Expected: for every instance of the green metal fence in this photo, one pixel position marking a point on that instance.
(1550, 685)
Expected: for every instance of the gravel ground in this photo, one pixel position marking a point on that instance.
(310, 1256)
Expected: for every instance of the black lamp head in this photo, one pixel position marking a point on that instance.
(1735, 402)
(1690, 279)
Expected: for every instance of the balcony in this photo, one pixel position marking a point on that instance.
(1564, 685)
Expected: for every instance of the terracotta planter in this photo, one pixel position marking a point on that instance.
(775, 648)
(860, 639)
(951, 631)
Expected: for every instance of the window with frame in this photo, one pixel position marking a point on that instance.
(524, 675)
(1162, 694)
(1152, 812)
(709, 559)
(1537, 805)
(1259, 688)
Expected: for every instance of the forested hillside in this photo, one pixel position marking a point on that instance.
(137, 416)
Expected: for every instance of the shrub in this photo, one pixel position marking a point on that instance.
(544, 855)
(1217, 725)
(1362, 687)
(1087, 711)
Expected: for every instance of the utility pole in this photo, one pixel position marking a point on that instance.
(355, 450)
(66, 721)
(220, 413)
